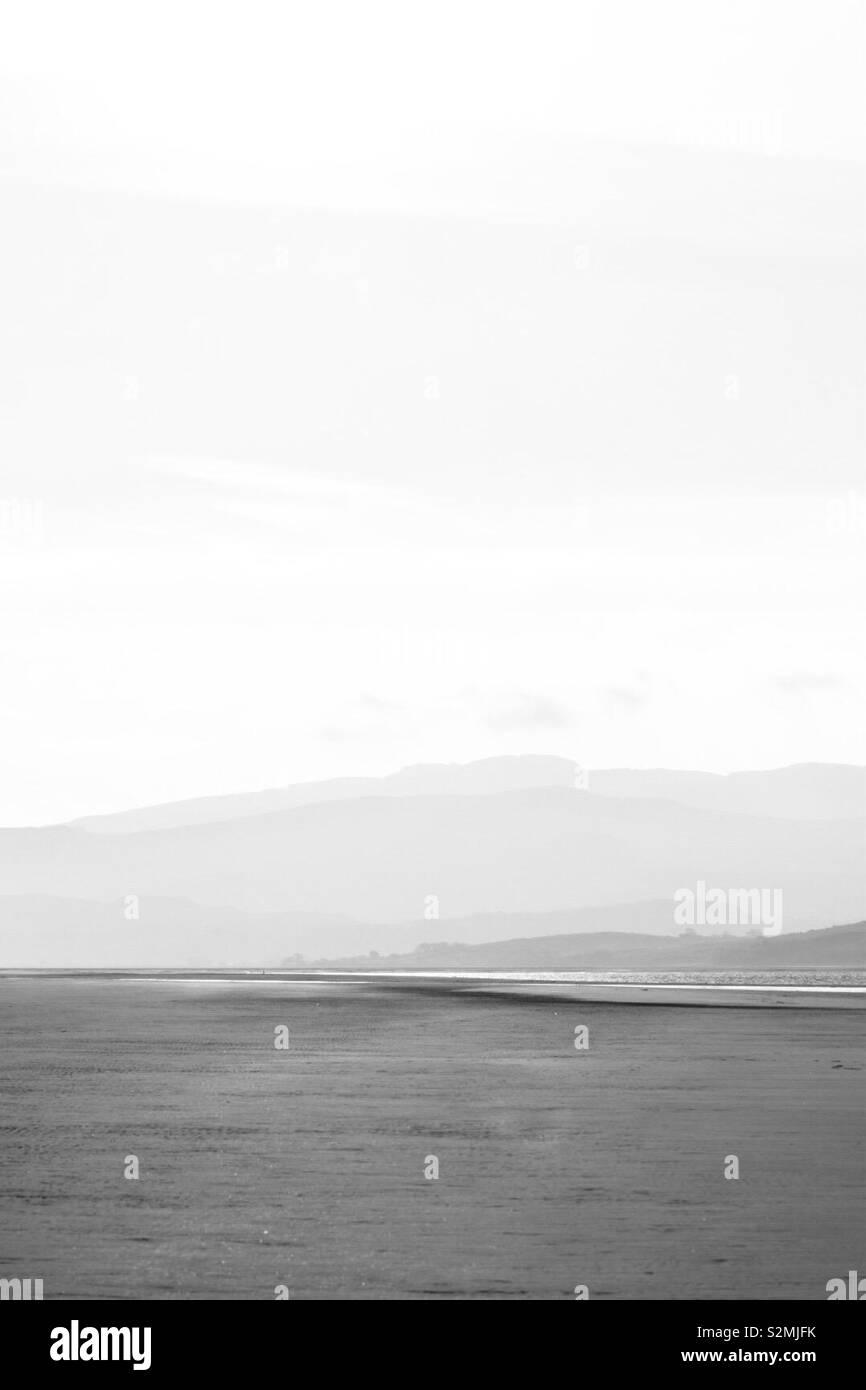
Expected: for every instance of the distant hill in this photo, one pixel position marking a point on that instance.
(38, 931)
(806, 791)
(499, 850)
(67, 933)
(383, 859)
(838, 948)
(484, 777)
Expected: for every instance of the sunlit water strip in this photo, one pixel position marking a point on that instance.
(357, 979)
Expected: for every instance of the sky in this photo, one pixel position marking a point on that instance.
(281, 83)
(385, 384)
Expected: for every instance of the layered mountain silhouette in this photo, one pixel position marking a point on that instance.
(40, 931)
(504, 847)
(805, 791)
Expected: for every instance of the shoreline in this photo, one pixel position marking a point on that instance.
(506, 984)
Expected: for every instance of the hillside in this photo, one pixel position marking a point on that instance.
(808, 791)
(381, 859)
(837, 948)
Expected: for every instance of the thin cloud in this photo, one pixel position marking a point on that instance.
(530, 711)
(375, 704)
(621, 697)
(801, 682)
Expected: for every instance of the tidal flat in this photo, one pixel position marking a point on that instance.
(298, 1160)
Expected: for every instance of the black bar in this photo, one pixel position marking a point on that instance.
(249, 1338)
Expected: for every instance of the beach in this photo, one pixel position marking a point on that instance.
(302, 1166)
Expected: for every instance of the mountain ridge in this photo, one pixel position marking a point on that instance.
(379, 859)
(525, 770)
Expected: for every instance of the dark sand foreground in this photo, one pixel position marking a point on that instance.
(305, 1167)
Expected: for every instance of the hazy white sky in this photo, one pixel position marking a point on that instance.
(424, 500)
(106, 85)
(203, 657)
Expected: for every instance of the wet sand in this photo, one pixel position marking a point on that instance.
(305, 1167)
